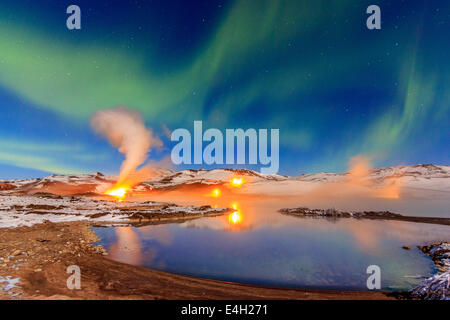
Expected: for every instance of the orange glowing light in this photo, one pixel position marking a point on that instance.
(236, 182)
(216, 193)
(235, 217)
(119, 193)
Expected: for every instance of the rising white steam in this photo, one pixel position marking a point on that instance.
(126, 131)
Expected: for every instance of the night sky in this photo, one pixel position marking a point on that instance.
(310, 68)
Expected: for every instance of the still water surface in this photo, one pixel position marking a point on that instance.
(258, 245)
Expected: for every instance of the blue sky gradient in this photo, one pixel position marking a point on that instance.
(310, 68)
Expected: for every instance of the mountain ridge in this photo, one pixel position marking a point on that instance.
(426, 175)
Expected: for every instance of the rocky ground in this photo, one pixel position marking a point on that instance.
(381, 215)
(436, 287)
(26, 210)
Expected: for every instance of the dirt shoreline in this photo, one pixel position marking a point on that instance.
(39, 256)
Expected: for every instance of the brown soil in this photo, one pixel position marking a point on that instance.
(65, 189)
(39, 256)
(6, 186)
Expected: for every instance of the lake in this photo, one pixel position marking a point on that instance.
(257, 245)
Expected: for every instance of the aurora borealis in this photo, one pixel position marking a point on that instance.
(310, 68)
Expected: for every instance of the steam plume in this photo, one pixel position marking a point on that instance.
(126, 131)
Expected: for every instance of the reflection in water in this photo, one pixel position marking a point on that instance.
(127, 248)
(268, 248)
(256, 244)
(236, 216)
(215, 193)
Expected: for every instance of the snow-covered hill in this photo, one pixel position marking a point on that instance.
(59, 184)
(427, 171)
(415, 177)
(209, 177)
(423, 176)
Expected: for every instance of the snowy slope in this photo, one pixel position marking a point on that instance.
(420, 177)
(415, 178)
(424, 176)
(25, 210)
(76, 183)
(209, 177)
